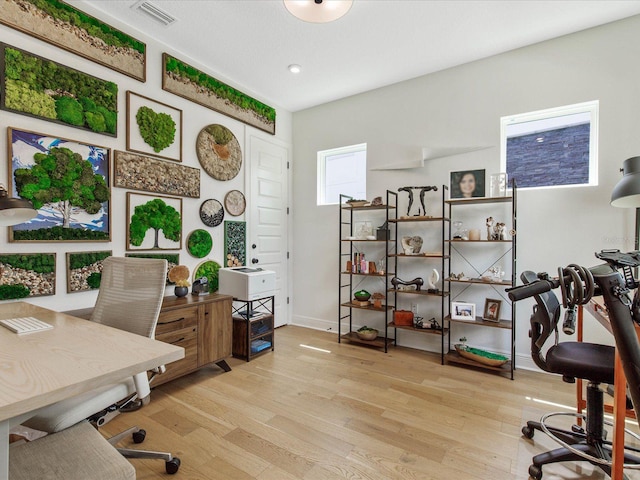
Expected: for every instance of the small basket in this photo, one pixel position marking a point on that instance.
(368, 335)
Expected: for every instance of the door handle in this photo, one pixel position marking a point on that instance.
(254, 260)
(253, 245)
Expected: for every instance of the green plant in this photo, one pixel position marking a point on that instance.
(158, 130)
(80, 260)
(220, 134)
(19, 97)
(62, 178)
(155, 214)
(199, 243)
(209, 269)
(59, 233)
(9, 292)
(94, 280)
(69, 110)
(35, 262)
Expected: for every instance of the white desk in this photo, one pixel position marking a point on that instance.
(74, 357)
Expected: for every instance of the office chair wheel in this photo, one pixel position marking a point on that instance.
(139, 436)
(527, 432)
(535, 472)
(172, 465)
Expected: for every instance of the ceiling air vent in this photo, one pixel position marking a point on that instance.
(154, 12)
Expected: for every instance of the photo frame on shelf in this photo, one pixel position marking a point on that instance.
(463, 311)
(154, 222)
(139, 172)
(84, 270)
(173, 260)
(27, 275)
(75, 31)
(28, 85)
(188, 82)
(467, 184)
(153, 128)
(87, 217)
(492, 310)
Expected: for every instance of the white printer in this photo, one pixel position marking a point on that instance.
(245, 283)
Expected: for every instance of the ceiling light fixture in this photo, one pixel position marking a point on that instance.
(318, 11)
(294, 68)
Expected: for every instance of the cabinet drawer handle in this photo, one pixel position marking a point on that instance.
(175, 342)
(172, 321)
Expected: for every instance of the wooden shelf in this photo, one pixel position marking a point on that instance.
(479, 282)
(417, 219)
(454, 240)
(478, 200)
(419, 255)
(378, 275)
(420, 292)
(368, 207)
(480, 322)
(453, 357)
(377, 342)
(432, 331)
(370, 307)
(364, 240)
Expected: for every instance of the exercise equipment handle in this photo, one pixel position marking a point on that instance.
(534, 288)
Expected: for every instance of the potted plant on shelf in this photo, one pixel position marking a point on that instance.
(180, 276)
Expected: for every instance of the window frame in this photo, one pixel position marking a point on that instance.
(591, 107)
(321, 169)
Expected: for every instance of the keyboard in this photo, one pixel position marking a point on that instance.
(25, 325)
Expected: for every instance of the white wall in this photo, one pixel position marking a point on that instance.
(195, 117)
(462, 107)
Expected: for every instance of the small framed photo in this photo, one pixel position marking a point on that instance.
(492, 310)
(467, 184)
(463, 311)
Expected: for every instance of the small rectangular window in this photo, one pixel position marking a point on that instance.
(557, 147)
(342, 171)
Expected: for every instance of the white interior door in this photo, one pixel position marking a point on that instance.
(268, 231)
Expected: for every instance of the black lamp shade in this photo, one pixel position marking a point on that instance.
(626, 194)
(14, 210)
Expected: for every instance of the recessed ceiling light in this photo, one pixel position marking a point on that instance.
(294, 68)
(318, 11)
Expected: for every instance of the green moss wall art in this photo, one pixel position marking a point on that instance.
(235, 243)
(153, 128)
(208, 269)
(84, 270)
(153, 222)
(27, 275)
(199, 243)
(67, 182)
(40, 88)
(199, 87)
(65, 26)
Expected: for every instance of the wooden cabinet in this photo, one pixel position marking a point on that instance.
(253, 327)
(202, 325)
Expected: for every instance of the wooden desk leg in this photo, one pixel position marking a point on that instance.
(619, 412)
(4, 450)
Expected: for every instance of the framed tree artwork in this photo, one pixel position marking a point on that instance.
(67, 182)
(84, 270)
(153, 222)
(153, 128)
(27, 275)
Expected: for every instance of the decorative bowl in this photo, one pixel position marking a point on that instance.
(362, 295)
(480, 356)
(358, 203)
(368, 334)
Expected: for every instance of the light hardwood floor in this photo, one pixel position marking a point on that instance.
(348, 413)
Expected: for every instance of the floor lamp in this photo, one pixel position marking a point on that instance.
(626, 193)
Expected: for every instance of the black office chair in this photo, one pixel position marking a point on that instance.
(588, 361)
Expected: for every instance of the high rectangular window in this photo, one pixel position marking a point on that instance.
(342, 171)
(557, 147)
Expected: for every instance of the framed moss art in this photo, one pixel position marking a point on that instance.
(219, 152)
(188, 82)
(40, 88)
(173, 260)
(64, 26)
(67, 182)
(153, 222)
(139, 172)
(84, 270)
(199, 243)
(27, 275)
(208, 269)
(235, 243)
(153, 128)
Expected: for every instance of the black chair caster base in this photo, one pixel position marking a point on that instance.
(535, 472)
(172, 465)
(528, 432)
(139, 436)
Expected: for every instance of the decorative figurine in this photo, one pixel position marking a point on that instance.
(376, 202)
(411, 245)
(423, 191)
(431, 282)
(490, 228)
(418, 282)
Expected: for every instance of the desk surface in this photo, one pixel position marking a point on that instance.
(76, 356)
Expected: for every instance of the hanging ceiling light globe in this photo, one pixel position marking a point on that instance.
(318, 11)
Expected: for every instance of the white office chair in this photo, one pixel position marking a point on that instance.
(130, 298)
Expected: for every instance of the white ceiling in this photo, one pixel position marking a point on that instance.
(250, 43)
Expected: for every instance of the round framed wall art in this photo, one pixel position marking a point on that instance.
(235, 203)
(199, 243)
(211, 212)
(219, 152)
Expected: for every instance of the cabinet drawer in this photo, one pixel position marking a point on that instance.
(177, 319)
(187, 339)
